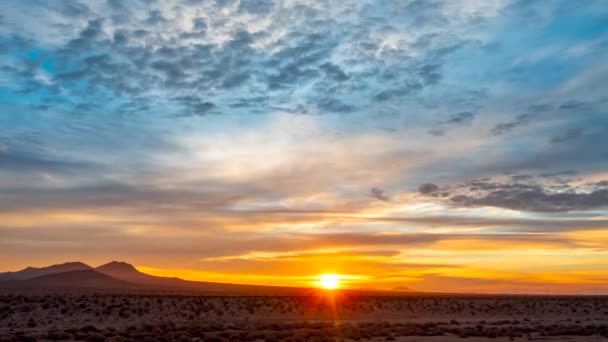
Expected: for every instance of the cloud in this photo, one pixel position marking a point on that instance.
(24, 163)
(334, 72)
(530, 196)
(73, 9)
(150, 53)
(506, 127)
(195, 106)
(455, 119)
(182, 121)
(428, 189)
(568, 135)
(256, 6)
(460, 118)
(379, 194)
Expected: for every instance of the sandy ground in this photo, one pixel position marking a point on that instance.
(320, 317)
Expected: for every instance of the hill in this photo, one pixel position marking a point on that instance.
(33, 272)
(80, 279)
(121, 276)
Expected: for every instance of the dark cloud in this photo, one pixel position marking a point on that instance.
(194, 105)
(234, 80)
(379, 194)
(455, 119)
(525, 194)
(172, 72)
(403, 90)
(428, 189)
(506, 127)
(430, 73)
(328, 104)
(92, 31)
(460, 118)
(334, 72)
(573, 105)
(415, 74)
(298, 62)
(532, 112)
(120, 38)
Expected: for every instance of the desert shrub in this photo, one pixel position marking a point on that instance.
(26, 338)
(89, 328)
(271, 338)
(109, 334)
(7, 338)
(95, 337)
(56, 335)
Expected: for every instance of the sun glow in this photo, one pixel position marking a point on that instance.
(328, 281)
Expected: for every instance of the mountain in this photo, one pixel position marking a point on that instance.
(121, 276)
(33, 272)
(127, 272)
(74, 279)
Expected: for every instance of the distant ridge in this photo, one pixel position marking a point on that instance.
(116, 266)
(127, 272)
(32, 272)
(120, 276)
(76, 279)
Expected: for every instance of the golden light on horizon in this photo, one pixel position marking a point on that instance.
(328, 281)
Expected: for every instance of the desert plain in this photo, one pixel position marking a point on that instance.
(320, 315)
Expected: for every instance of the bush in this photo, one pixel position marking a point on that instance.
(56, 335)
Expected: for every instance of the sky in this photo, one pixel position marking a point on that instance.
(429, 145)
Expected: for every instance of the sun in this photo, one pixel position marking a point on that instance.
(329, 281)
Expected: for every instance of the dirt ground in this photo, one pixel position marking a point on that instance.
(321, 317)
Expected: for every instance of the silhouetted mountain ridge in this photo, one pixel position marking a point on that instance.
(121, 276)
(118, 275)
(127, 272)
(33, 272)
(76, 279)
(117, 265)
